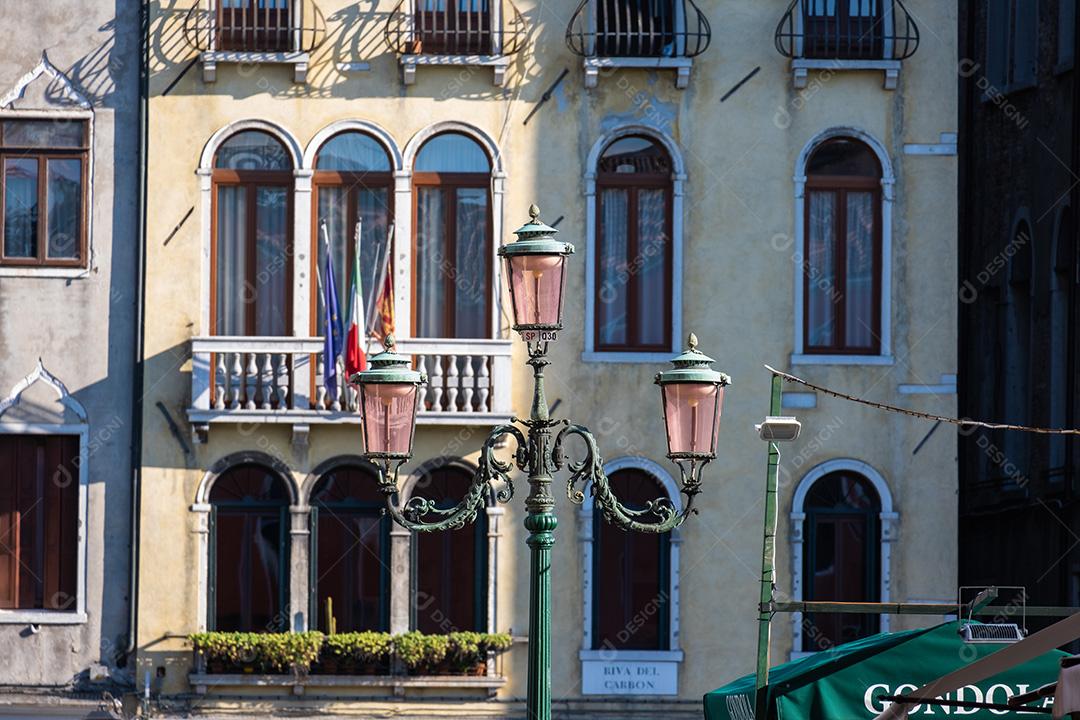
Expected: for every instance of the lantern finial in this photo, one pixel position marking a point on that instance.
(534, 212)
(691, 341)
(388, 341)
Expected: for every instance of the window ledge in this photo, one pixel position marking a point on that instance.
(498, 63)
(800, 359)
(203, 681)
(593, 356)
(633, 655)
(680, 65)
(211, 58)
(45, 272)
(41, 617)
(801, 67)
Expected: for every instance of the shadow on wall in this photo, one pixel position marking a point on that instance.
(353, 34)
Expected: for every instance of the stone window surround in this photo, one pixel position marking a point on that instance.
(678, 189)
(300, 489)
(82, 430)
(80, 108)
(303, 161)
(587, 653)
(798, 244)
(888, 518)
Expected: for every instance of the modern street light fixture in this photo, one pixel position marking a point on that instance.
(692, 399)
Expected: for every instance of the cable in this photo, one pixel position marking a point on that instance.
(922, 415)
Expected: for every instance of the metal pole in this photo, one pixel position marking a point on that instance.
(540, 523)
(768, 565)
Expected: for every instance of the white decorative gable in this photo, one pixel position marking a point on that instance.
(40, 375)
(43, 88)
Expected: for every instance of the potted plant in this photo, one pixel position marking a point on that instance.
(357, 653)
(421, 654)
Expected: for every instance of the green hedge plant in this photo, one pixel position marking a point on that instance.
(260, 652)
(357, 652)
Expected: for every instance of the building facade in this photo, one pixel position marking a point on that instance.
(68, 299)
(794, 208)
(1018, 297)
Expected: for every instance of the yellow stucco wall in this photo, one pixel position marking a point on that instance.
(738, 278)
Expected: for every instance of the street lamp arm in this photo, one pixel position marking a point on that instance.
(658, 516)
(424, 515)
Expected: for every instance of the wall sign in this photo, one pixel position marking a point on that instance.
(633, 677)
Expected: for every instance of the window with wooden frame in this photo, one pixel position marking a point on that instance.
(843, 544)
(842, 253)
(454, 27)
(39, 521)
(256, 25)
(452, 243)
(634, 247)
(450, 569)
(251, 237)
(354, 183)
(45, 166)
(631, 573)
(249, 551)
(844, 29)
(350, 551)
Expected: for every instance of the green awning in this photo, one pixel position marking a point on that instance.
(847, 682)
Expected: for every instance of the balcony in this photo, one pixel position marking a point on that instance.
(476, 33)
(830, 35)
(611, 34)
(254, 31)
(282, 380)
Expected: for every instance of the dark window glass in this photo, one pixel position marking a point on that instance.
(631, 573)
(39, 521)
(842, 260)
(452, 239)
(450, 567)
(635, 28)
(352, 551)
(44, 214)
(253, 150)
(841, 560)
(633, 302)
(249, 537)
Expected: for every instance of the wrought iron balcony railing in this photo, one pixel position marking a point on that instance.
(255, 26)
(847, 30)
(638, 29)
(455, 27)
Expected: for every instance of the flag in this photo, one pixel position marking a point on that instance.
(386, 306)
(331, 321)
(355, 358)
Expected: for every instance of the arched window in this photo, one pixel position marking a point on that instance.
(842, 254)
(249, 551)
(634, 249)
(450, 568)
(350, 552)
(843, 539)
(631, 573)
(452, 244)
(353, 183)
(252, 236)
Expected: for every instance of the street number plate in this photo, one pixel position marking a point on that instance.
(539, 335)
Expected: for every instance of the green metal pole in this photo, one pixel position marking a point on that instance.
(768, 565)
(540, 523)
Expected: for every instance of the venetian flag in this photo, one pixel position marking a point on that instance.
(356, 332)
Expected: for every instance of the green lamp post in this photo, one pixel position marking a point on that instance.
(692, 399)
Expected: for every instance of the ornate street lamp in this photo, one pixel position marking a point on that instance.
(692, 394)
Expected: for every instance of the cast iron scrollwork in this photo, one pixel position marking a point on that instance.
(425, 515)
(589, 472)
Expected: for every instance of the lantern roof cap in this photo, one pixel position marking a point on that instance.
(536, 238)
(389, 367)
(692, 366)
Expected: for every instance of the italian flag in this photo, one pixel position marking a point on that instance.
(356, 333)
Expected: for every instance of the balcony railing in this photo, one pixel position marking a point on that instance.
(847, 30)
(455, 27)
(283, 380)
(638, 29)
(255, 26)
